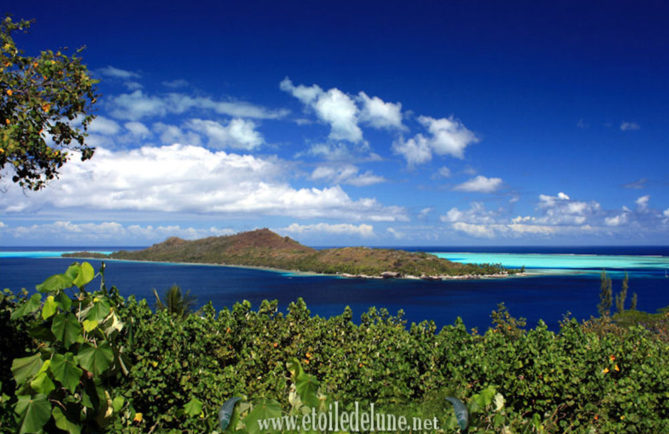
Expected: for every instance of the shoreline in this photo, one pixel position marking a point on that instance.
(299, 273)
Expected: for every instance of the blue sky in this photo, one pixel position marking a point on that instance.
(373, 123)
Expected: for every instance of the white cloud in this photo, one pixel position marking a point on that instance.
(110, 231)
(629, 126)
(138, 105)
(113, 72)
(562, 210)
(346, 174)
(415, 150)
(170, 134)
(395, 233)
(424, 212)
(642, 202)
(138, 129)
(237, 133)
(362, 230)
(448, 136)
(480, 184)
(104, 126)
(444, 172)
(340, 111)
(190, 179)
(380, 114)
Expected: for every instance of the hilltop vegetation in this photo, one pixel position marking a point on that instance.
(264, 248)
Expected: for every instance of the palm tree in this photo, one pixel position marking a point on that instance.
(175, 302)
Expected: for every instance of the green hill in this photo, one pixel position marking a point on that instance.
(264, 248)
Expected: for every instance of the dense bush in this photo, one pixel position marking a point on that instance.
(181, 370)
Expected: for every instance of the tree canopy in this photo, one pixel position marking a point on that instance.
(45, 110)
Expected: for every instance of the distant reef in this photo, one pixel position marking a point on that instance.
(264, 248)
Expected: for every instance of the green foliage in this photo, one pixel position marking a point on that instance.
(65, 380)
(176, 303)
(48, 96)
(596, 376)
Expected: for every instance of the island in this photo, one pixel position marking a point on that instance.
(266, 249)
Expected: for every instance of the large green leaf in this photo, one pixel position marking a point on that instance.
(42, 383)
(262, 411)
(57, 282)
(85, 275)
(49, 308)
(64, 423)
(99, 310)
(193, 407)
(66, 329)
(28, 307)
(64, 300)
(25, 367)
(95, 360)
(65, 371)
(307, 389)
(35, 411)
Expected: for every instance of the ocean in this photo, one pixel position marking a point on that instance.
(560, 280)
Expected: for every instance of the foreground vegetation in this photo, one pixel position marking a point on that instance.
(77, 360)
(264, 248)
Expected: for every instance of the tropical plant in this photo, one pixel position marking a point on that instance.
(65, 382)
(175, 303)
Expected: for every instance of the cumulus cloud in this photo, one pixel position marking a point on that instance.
(629, 126)
(562, 210)
(447, 136)
(138, 129)
(380, 114)
(344, 112)
(138, 105)
(480, 184)
(642, 202)
(110, 232)
(237, 133)
(190, 179)
(362, 230)
(170, 134)
(346, 174)
(103, 125)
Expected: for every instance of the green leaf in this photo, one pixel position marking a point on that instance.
(117, 403)
(193, 407)
(307, 389)
(26, 367)
(225, 413)
(461, 413)
(90, 325)
(28, 307)
(65, 371)
(262, 410)
(85, 275)
(64, 300)
(99, 310)
(49, 308)
(72, 271)
(64, 423)
(57, 282)
(36, 412)
(67, 329)
(95, 360)
(42, 383)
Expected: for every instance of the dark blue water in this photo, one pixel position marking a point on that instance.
(541, 297)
